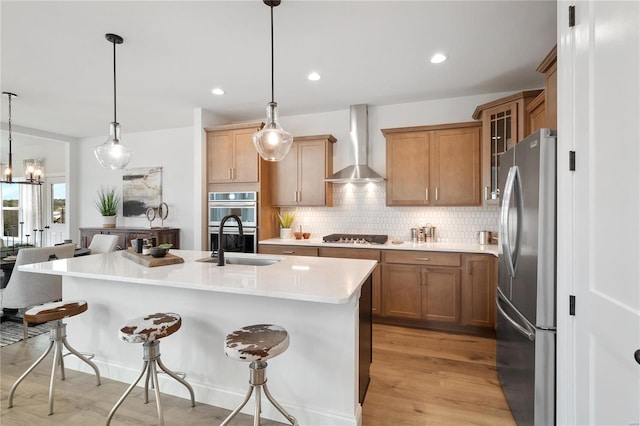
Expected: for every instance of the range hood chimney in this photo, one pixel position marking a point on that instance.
(360, 172)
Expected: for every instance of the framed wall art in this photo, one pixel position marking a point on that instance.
(141, 189)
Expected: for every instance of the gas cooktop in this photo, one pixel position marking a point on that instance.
(355, 238)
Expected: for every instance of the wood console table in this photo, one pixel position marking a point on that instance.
(126, 234)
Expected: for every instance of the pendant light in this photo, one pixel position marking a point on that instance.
(36, 175)
(112, 154)
(272, 142)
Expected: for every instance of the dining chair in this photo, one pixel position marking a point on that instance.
(103, 243)
(26, 289)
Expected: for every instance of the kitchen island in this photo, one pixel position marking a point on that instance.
(323, 303)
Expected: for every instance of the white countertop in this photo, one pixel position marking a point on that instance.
(315, 279)
(404, 245)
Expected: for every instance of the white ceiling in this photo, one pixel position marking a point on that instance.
(55, 57)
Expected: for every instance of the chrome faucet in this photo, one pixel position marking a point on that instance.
(221, 236)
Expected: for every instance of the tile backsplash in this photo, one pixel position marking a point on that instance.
(361, 209)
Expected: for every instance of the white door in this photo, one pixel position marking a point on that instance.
(599, 213)
(55, 210)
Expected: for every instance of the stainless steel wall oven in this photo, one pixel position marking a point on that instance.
(241, 204)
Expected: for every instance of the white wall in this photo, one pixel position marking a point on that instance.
(171, 149)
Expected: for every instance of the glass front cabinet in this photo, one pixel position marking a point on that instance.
(504, 123)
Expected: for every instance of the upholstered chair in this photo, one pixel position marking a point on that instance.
(103, 243)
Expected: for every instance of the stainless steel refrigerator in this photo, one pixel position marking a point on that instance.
(526, 295)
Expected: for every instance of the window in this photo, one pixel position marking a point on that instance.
(10, 215)
(58, 202)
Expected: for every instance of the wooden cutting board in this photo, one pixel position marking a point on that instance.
(150, 261)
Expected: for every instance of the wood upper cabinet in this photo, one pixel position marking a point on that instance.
(298, 180)
(231, 155)
(479, 290)
(407, 168)
(433, 165)
(455, 167)
(548, 67)
(505, 121)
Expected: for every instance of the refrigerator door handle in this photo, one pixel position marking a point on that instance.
(525, 331)
(513, 185)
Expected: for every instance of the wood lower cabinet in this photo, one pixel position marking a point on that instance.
(421, 293)
(441, 290)
(376, 275)
(126, 234)
(434, 165)
(479, 290)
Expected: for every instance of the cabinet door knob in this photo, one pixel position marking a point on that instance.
(426, 194)
(287, 252)
(424, 259)
(636, 355)
(486, 192)
(436, 193)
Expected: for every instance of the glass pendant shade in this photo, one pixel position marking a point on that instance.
(112, 154)
(272, 142)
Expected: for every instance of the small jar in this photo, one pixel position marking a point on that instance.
(146, 249)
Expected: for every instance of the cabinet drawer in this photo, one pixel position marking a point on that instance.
(288, 250)
(350, 253)
(422, 258)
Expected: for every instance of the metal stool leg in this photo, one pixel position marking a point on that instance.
(82, 358)
(288, 416)
(57, 340)
(26, 373)
(156, 389)
(179, 379)
(258, 381)
(237, 410)
(151, 356)
(126, 393)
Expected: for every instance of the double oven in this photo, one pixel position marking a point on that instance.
(245, 206)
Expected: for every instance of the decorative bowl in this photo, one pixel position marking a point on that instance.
(306, 235)
(158, 251)
(298, 235)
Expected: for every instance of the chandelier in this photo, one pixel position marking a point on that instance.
(34, 174)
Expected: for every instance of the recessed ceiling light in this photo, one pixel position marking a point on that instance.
(217, 91)
(314, 76)
(438, 58)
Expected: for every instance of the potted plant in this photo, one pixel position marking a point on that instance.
(286, 221)
(107, 204)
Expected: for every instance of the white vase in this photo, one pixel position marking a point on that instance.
(108, 221)
(285, 233)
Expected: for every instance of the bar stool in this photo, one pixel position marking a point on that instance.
(48, 312)
(148, 330)
(256, 344)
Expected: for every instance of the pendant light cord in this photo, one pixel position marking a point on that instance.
(10, 139)
(272, 83)
(115, 120)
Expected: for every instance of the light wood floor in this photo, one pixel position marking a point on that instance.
(417, 378)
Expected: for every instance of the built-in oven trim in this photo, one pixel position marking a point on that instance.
(234, 230)
(226, 200)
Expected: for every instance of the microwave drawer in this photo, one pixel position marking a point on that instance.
(411, 257)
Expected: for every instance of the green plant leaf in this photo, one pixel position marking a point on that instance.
(108, 201)
(286, 219)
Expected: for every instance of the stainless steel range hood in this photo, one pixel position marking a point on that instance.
(360, 172)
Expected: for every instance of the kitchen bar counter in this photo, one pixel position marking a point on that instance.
(405, 245)
(316, 299)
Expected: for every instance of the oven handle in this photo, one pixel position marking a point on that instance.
(232, 204)
(232, 230)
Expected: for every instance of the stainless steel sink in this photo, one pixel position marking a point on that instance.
(251, 261)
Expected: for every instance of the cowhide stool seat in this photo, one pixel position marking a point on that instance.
(55, 312)
(256, 344)
(148, 330)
